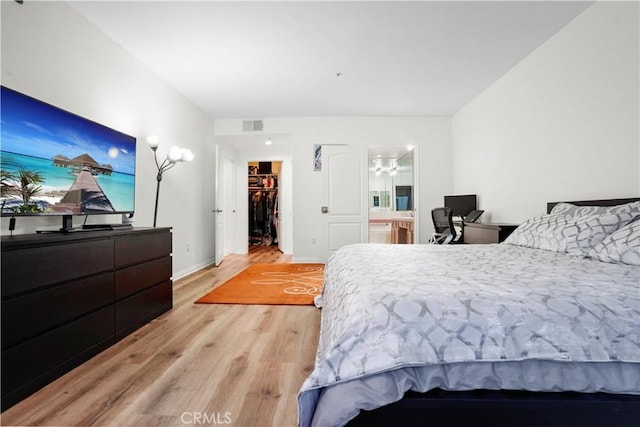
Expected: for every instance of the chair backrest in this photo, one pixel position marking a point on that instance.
(443, 220)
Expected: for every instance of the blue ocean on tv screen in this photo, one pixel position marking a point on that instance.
(118, 187)
(66, 151)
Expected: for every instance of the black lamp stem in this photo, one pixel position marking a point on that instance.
(155, 212)
(166, 164)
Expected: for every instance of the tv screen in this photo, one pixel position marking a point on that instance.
(461, 205)
(57, 163)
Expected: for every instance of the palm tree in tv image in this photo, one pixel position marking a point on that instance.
(30, 186)
(24, 183)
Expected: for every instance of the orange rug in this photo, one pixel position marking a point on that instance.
(294, 284)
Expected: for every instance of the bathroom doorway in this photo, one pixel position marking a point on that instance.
(392, 195)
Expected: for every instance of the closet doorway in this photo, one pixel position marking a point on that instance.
(265, 226)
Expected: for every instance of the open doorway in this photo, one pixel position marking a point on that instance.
(243, 150)
(264, 203)
(392, 195)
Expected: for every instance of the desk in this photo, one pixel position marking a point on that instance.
(402, 230)
(475, 232)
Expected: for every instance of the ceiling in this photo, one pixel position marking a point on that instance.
(285, 59)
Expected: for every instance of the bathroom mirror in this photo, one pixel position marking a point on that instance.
(390, 179)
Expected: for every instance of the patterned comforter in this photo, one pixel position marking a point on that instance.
(461, 317)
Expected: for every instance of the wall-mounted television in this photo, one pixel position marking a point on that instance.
(54, 162)
(461, 205)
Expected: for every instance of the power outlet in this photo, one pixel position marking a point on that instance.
(313, 240)
(188, 247)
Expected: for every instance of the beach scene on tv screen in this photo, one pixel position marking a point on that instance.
(54, 162)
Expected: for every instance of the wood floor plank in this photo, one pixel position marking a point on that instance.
(242, 362)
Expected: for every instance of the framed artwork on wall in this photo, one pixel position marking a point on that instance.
(317, 157)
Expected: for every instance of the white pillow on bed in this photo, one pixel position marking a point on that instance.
(572, 235)
(622, 246)
(575, 210)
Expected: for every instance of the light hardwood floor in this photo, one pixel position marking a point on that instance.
(199, 364)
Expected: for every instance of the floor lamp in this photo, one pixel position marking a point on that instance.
(175, 155)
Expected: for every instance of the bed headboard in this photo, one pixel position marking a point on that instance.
(603, 202)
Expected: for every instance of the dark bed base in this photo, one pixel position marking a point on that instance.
(602, 202)
(485, 408)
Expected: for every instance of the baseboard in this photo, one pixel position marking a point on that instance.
(187, 271)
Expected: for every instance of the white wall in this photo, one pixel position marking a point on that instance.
(561, 125)
(52, 53)
(431, 136)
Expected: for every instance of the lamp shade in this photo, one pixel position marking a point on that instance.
(187, 155)
(153, 141)
(175, 154)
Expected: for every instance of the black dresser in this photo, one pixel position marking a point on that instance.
(67, 297)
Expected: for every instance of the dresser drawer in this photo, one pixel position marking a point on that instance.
(32, 268)
(54, 353)
(135, 311)
(139, 277)
(133, 250)
(26, 316)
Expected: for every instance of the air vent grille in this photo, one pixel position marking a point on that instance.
(252, 125)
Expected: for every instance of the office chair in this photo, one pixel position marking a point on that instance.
(445, 232)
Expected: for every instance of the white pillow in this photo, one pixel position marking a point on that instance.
(575, 210)
(622, 246)
(571, 235)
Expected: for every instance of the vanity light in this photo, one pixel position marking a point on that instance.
(268, 142)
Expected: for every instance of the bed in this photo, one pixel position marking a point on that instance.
(542, 329)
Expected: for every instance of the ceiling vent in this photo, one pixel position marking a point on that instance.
(252, 125)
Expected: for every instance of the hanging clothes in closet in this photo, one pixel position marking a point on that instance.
(263, 217)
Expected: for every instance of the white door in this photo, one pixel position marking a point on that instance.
(344, 197)
(278, 210)
(218, 211)
(230, 187)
